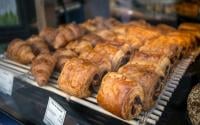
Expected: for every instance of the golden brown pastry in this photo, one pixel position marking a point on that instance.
(62, 55)
(110, 37)
(140, 22)
(164, 28)
(49, 34)
(148, 79)
(38, 45)
(160, 62)
(83, 46)
(121, 35)
(20, 51)
(72, 45)
(100, 60)
(143, 33)
(192, 28)
(42, 68)
(134, 35)
(106, 34)
(120, 95)
(120, 29)
(92, 38)
(133, 41)
(94, 24)
(115, 54)
(77, 77)
(189, 26)
(79, 46)
(67, 33)
(99, 23)
(195, 34)
(184, 39)
(163, 46)
(111, 22)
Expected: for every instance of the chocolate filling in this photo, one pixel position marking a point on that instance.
(181, 56)
(172, 60)
(137, 100)
(133, 110)
(91, 89)
(96, 80)
(155, 97)
(104, 73)
(198, 41)
(95, 83)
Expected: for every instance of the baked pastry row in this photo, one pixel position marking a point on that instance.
(96, 49)
(147, 68)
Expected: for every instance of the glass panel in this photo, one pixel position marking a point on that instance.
(8, 13)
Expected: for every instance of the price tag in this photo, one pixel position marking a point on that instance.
(55, 113)
(6, 81)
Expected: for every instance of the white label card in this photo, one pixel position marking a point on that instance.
(6, 81)
(55, 113)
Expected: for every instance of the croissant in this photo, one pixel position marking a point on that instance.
(150, 81)
(20, 51)
(160, 62)
(77, 77)
(49, 34)
(38, 45)
(42, 68)
(120, 95)
(66, 34)
(62, 55)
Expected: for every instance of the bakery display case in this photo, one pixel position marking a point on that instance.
(135, 67)
(168, 11)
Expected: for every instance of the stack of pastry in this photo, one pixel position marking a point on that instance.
(107, 51)
(126, 64)
(148, 68)
(94, 52)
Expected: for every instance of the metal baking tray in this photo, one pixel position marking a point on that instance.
(150, 117)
